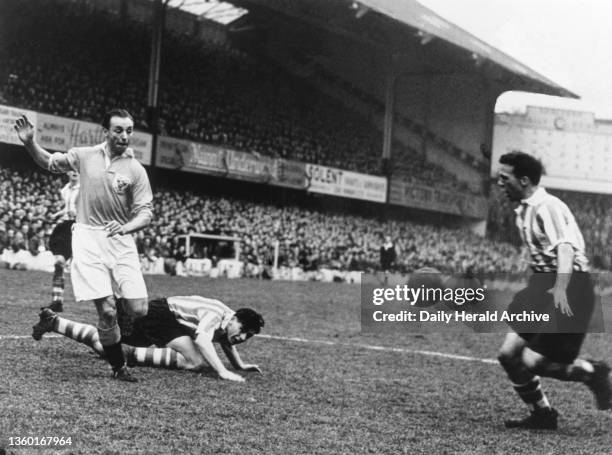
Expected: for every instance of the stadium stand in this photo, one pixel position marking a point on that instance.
(407, 163)
(55, 72)
(308, 239)
(258, 108)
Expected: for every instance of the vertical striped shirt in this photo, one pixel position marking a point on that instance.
(69, 195)
(201, 315)
(545, 222)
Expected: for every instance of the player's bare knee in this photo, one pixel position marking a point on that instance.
(60, 261)
(533, 362)
(108, 318)
(193, 361)
(107, 313)
(137, 308)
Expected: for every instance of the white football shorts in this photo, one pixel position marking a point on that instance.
(103, 266)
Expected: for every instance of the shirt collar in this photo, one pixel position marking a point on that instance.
(535, 199)
(227, 316)
(129, 153)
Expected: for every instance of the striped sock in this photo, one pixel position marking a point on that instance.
(159, 357)
(57, 292)
(83, 333)
(582, 370)
(531, 393)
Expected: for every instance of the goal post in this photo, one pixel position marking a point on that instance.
(222, 246)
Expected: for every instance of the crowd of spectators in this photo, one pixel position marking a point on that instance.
(26, 206)
(67, 59)
(306, 238)
(594, 216)
(411, 166)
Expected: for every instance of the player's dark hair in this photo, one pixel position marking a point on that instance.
(115, 113)
(524, 165)
(251, 320)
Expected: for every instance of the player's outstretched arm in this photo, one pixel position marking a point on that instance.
(232, 354)
(25, 132)
(206, 347)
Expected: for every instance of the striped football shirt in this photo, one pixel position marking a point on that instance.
(200, 314)
(545, 222)
(69, 196)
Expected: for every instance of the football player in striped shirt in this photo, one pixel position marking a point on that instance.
(60, 242)
(182, 328)
(561, 282)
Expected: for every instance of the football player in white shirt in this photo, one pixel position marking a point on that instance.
(115, 200)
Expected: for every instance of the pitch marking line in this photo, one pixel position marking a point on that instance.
(384, 349)
(332, 343)
(24, 337)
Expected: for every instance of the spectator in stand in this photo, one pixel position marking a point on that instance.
(4, 240)
(18, 247)
(388, 255)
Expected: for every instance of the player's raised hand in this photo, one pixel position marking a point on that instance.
(229, 376)
(25, 130)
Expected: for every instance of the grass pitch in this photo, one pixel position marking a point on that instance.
(325, 388)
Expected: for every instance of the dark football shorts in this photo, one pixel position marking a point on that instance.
(60, 241)
(561, 340)
(158, 327)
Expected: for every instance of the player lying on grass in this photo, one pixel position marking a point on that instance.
(183, 328)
